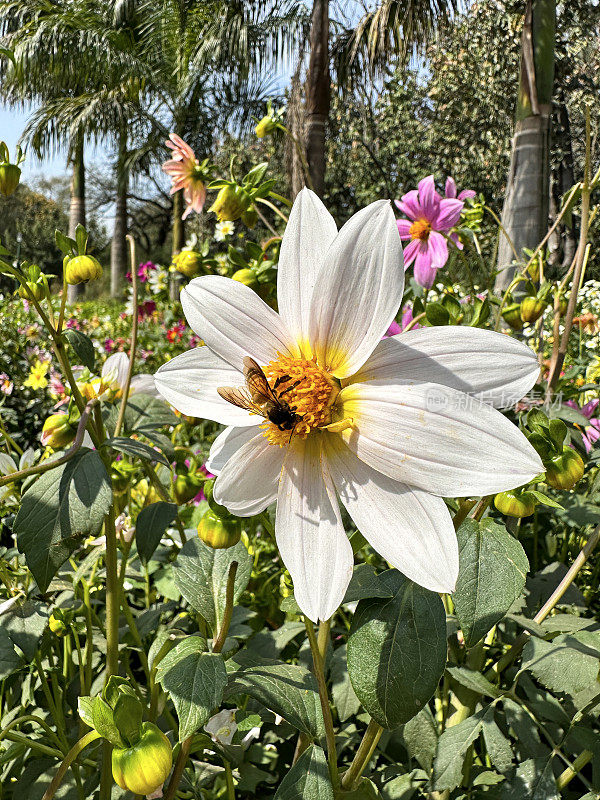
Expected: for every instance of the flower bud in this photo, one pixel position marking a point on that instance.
(217, 532)
(531, 309)
(144, 766)
(245, 276)
(10, 175)
(186, 487)
(187, 262)
(59, 622)
(57, 431)
(514, 503)
(266, 126)
(512, 315)
(81, 269)
(250, 217)
(230, 203)
(565, 470)
(36, 289)
(563, 304)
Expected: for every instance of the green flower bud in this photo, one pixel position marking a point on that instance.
(230, 203)
(515, 503)
(59, 622)
(250, 217)
(218, 532)
(144, 766)
(532, 309)
(187, 262)
(245, 276)
(10, 175)
(57, 432)
(512, 315)
(565, 470)
(81, 269)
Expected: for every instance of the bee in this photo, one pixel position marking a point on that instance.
(257, 396)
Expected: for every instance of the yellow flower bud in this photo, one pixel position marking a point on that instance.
(82, 269)
(218, 533)
(36, 289)
(266, 126)
(230, 203)
(57, 432)
(187, 262)
(10, 175)
(245, 276)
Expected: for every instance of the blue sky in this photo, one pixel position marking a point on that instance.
(12, 122)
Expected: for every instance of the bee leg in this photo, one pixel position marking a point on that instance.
(289, 388)
(280, 380)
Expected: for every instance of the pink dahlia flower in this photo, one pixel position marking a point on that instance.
(430, 220)
(451, 191)
(592, 433)
(185, 173)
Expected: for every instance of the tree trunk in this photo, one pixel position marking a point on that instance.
(77, 207)
(526, 203)
(118, 248)
(178, 240)
(318, 91)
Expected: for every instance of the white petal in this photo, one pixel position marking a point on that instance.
(492, 366)
(410, 528)
(437, 438)
(234, 322)
(248, 482)
(190, 381)
(359, 290)
(115, 368)
(309, 531)
(227, 443)
(144, 384)
(27, 459)
(310, 231)
(7, 464)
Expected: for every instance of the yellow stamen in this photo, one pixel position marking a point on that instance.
(307, 389)
(420, 230)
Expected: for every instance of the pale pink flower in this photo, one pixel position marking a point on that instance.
(185, 173)
(591, 434)
(6, 385)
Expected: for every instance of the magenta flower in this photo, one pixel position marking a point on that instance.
(109, 345)
(430, 220)
(398, 327)
(145, 269)
(591, 434)
(451, 191)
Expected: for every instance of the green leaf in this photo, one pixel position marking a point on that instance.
(151, 523)
(436, 314)
(82, 345)
(421, 738)
(493, 568)
(497, 745)
(289, 690)
(10, 661)
(566, 664)
(85, 706)
(81, 239)
(474, 681)
(397, 650)
(59, 510)
(200, 574)
(308, 779)
(104, 724)
(366, 790)
(545, 500)
(127, 715)
(452, 746)
(195, 681)
(136, 448)
(143, 413)
(558, 432)
(533, 780)
(64, 243)
(25, 622)
(344, 697)
(366, 583)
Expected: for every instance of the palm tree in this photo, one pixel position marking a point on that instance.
(526, 203)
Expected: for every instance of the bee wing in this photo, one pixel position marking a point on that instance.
(239, 398)
(257, 384)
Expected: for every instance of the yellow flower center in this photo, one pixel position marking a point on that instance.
(306, 389)
(420, 229)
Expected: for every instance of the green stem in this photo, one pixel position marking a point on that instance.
(229, 780)
(324, 697)
(571, 772)
(68, 760)
(134, 332)
(229, 592)
(31, 718)
(184, 752)
(363, 755)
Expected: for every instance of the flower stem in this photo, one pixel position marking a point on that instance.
(229, 779)
(184, 751)
(67, 761)
(324, 697)
(362, 756)
(134, 331)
